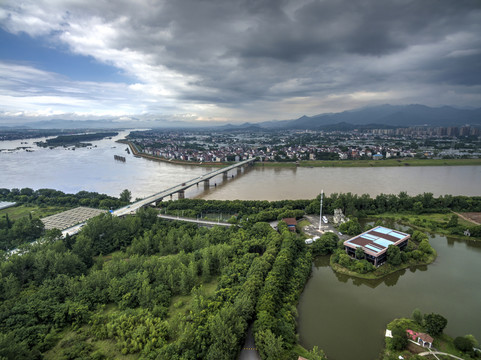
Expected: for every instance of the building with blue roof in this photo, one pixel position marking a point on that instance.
(375, 242)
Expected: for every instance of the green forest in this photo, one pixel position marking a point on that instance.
(141, 287)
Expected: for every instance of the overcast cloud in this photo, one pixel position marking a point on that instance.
(245, 60)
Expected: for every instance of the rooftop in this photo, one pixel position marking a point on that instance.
(69, 218)
(290, 221)
(5, 204)
(377, 240)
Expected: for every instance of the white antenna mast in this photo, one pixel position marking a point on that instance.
(320, 211)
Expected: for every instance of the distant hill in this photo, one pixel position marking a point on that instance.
(376, 116)
(387, 115)
(383, 116)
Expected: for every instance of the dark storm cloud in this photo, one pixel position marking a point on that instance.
(239, 53)
(240, 50)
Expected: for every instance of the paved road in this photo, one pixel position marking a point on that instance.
(438, 353)
(197, 221)
(249, 351)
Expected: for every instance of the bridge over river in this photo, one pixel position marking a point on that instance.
(179, 189)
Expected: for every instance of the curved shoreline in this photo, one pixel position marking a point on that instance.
(320, 163)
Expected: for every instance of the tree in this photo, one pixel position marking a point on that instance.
(316, 354)
(418, 207)
(453, 222)
(463, 343)
(425, 247)
(399, 339)
(417, 316)
(393, 255)
(351, 227)
(270, 346)
(125, 196)
(435, 323)
(325, 245)
(360, 253)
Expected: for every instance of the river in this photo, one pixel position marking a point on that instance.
(94, 169)
(343, 316)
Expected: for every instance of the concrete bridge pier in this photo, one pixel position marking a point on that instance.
(158, 202)
(224, 175)
(206, 184)
(239, 170)
(181, 194)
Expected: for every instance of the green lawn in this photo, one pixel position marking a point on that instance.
(19, 211)
(374, 163)
(425, 222)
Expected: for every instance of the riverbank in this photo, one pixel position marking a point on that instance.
(375, 163)
(136, 152)
(319, 163)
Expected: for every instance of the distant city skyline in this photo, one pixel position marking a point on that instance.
(233, 61)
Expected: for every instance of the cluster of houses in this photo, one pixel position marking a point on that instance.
(295, 145)
(223, 154)
(239, 152)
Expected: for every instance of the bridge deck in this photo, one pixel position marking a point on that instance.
(177, 188)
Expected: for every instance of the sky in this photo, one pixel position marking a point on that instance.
(233, 61)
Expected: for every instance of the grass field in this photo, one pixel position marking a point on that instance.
(392, 162)
(19, 211)
(427, 222)
(410, 218)
(374, 163)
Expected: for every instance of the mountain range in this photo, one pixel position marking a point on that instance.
(383, 116)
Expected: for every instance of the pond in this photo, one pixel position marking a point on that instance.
(347, 317)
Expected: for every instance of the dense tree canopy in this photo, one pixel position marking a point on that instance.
(435, 323)
(119, 278)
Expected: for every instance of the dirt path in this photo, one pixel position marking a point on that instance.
(438, 353)
(466, 218)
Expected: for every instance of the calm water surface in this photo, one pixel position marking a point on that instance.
(96, 170)
(347, 317)
(306, 183)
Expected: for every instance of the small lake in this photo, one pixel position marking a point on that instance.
(347, 317)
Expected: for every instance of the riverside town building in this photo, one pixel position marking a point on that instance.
(375, 243)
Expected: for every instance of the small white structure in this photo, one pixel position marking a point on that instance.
(309, 241)
(425, 340)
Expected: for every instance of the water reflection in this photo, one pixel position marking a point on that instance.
(451, 241)
(389, 280)
(321, 261)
